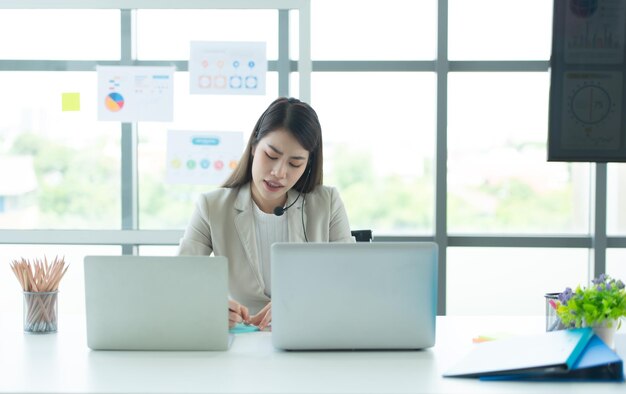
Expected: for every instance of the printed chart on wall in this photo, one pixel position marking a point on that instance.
(594, 32)
(202, 157)
(587, 81)
(590, 117)
(133, 94)
(237, 68)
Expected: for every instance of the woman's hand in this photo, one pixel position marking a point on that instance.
(237, 313)
(263, 318)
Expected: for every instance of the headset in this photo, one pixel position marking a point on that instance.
(279, 211)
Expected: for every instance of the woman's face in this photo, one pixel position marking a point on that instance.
(278, 162)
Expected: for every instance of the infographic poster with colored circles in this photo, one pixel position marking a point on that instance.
(133, 94)
(202, 157)
(236, 68)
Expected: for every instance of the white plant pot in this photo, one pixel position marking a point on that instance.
(606, 331)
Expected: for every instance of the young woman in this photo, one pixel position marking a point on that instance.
(274, 195)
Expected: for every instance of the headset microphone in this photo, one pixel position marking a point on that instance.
(278, 211)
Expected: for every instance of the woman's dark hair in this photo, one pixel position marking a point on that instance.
(298, 118)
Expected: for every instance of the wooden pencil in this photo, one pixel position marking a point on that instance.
(40, 280)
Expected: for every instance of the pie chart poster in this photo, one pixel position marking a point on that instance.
(133, 94)
(587, 115)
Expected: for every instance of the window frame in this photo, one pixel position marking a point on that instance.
(130, 237)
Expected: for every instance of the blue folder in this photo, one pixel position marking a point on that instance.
(559, 354)
(597, 362)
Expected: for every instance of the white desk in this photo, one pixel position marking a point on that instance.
(62, 363)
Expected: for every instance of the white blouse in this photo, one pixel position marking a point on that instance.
(269, 229)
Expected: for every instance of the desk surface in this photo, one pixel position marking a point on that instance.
(62, 363)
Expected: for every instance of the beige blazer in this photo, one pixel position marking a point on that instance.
(223, 224)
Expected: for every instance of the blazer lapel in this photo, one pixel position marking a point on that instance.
(244, 223)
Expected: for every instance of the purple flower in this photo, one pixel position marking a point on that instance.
(565, 295)
(620, 284)
(600, 279)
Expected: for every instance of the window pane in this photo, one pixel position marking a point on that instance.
(498, 178)
(500, 29)
(169, 206)
(294, 84)
(616, 196)
(371, 30)
(71, 287)
(379, 131)
(64, 167)
(154, 250)
(510, 281)
(616, 263)
(294, 34)
(60, 34)
(154, 42)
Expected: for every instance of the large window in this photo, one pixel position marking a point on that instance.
(616, 199)
(372, 30)
(509, 281)
(434, 114)
(60, 170)
(379, 147)
(62, 34)
(499, 30)
(156, 43)
(498, 178)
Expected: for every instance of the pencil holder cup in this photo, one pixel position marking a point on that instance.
(553, 322)
(40, 312)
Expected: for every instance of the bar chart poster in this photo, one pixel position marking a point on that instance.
(202, 157)
(134, 94)
(594, 31)
(587, 113)
(227, 68)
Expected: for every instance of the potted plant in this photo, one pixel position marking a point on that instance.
(600, 306)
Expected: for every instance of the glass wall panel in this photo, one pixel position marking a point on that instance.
(616, 199)
(616, 263)
(156, 250)
(59, 169)
(510, 281)
(370, 30)
(379, 139)
(499, 29)
(71, 287)
(499, 180)
(166, 34)
(294, 84)
(294, 35)
(60, 34)
(163, 205)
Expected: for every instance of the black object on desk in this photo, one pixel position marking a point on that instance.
(362, 235)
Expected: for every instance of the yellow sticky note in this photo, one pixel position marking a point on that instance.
(70, 102)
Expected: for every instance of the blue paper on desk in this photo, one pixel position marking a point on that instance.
(565, 354)
(241, 328)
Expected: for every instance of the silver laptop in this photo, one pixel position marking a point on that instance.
(156, 303)
(380, 295)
